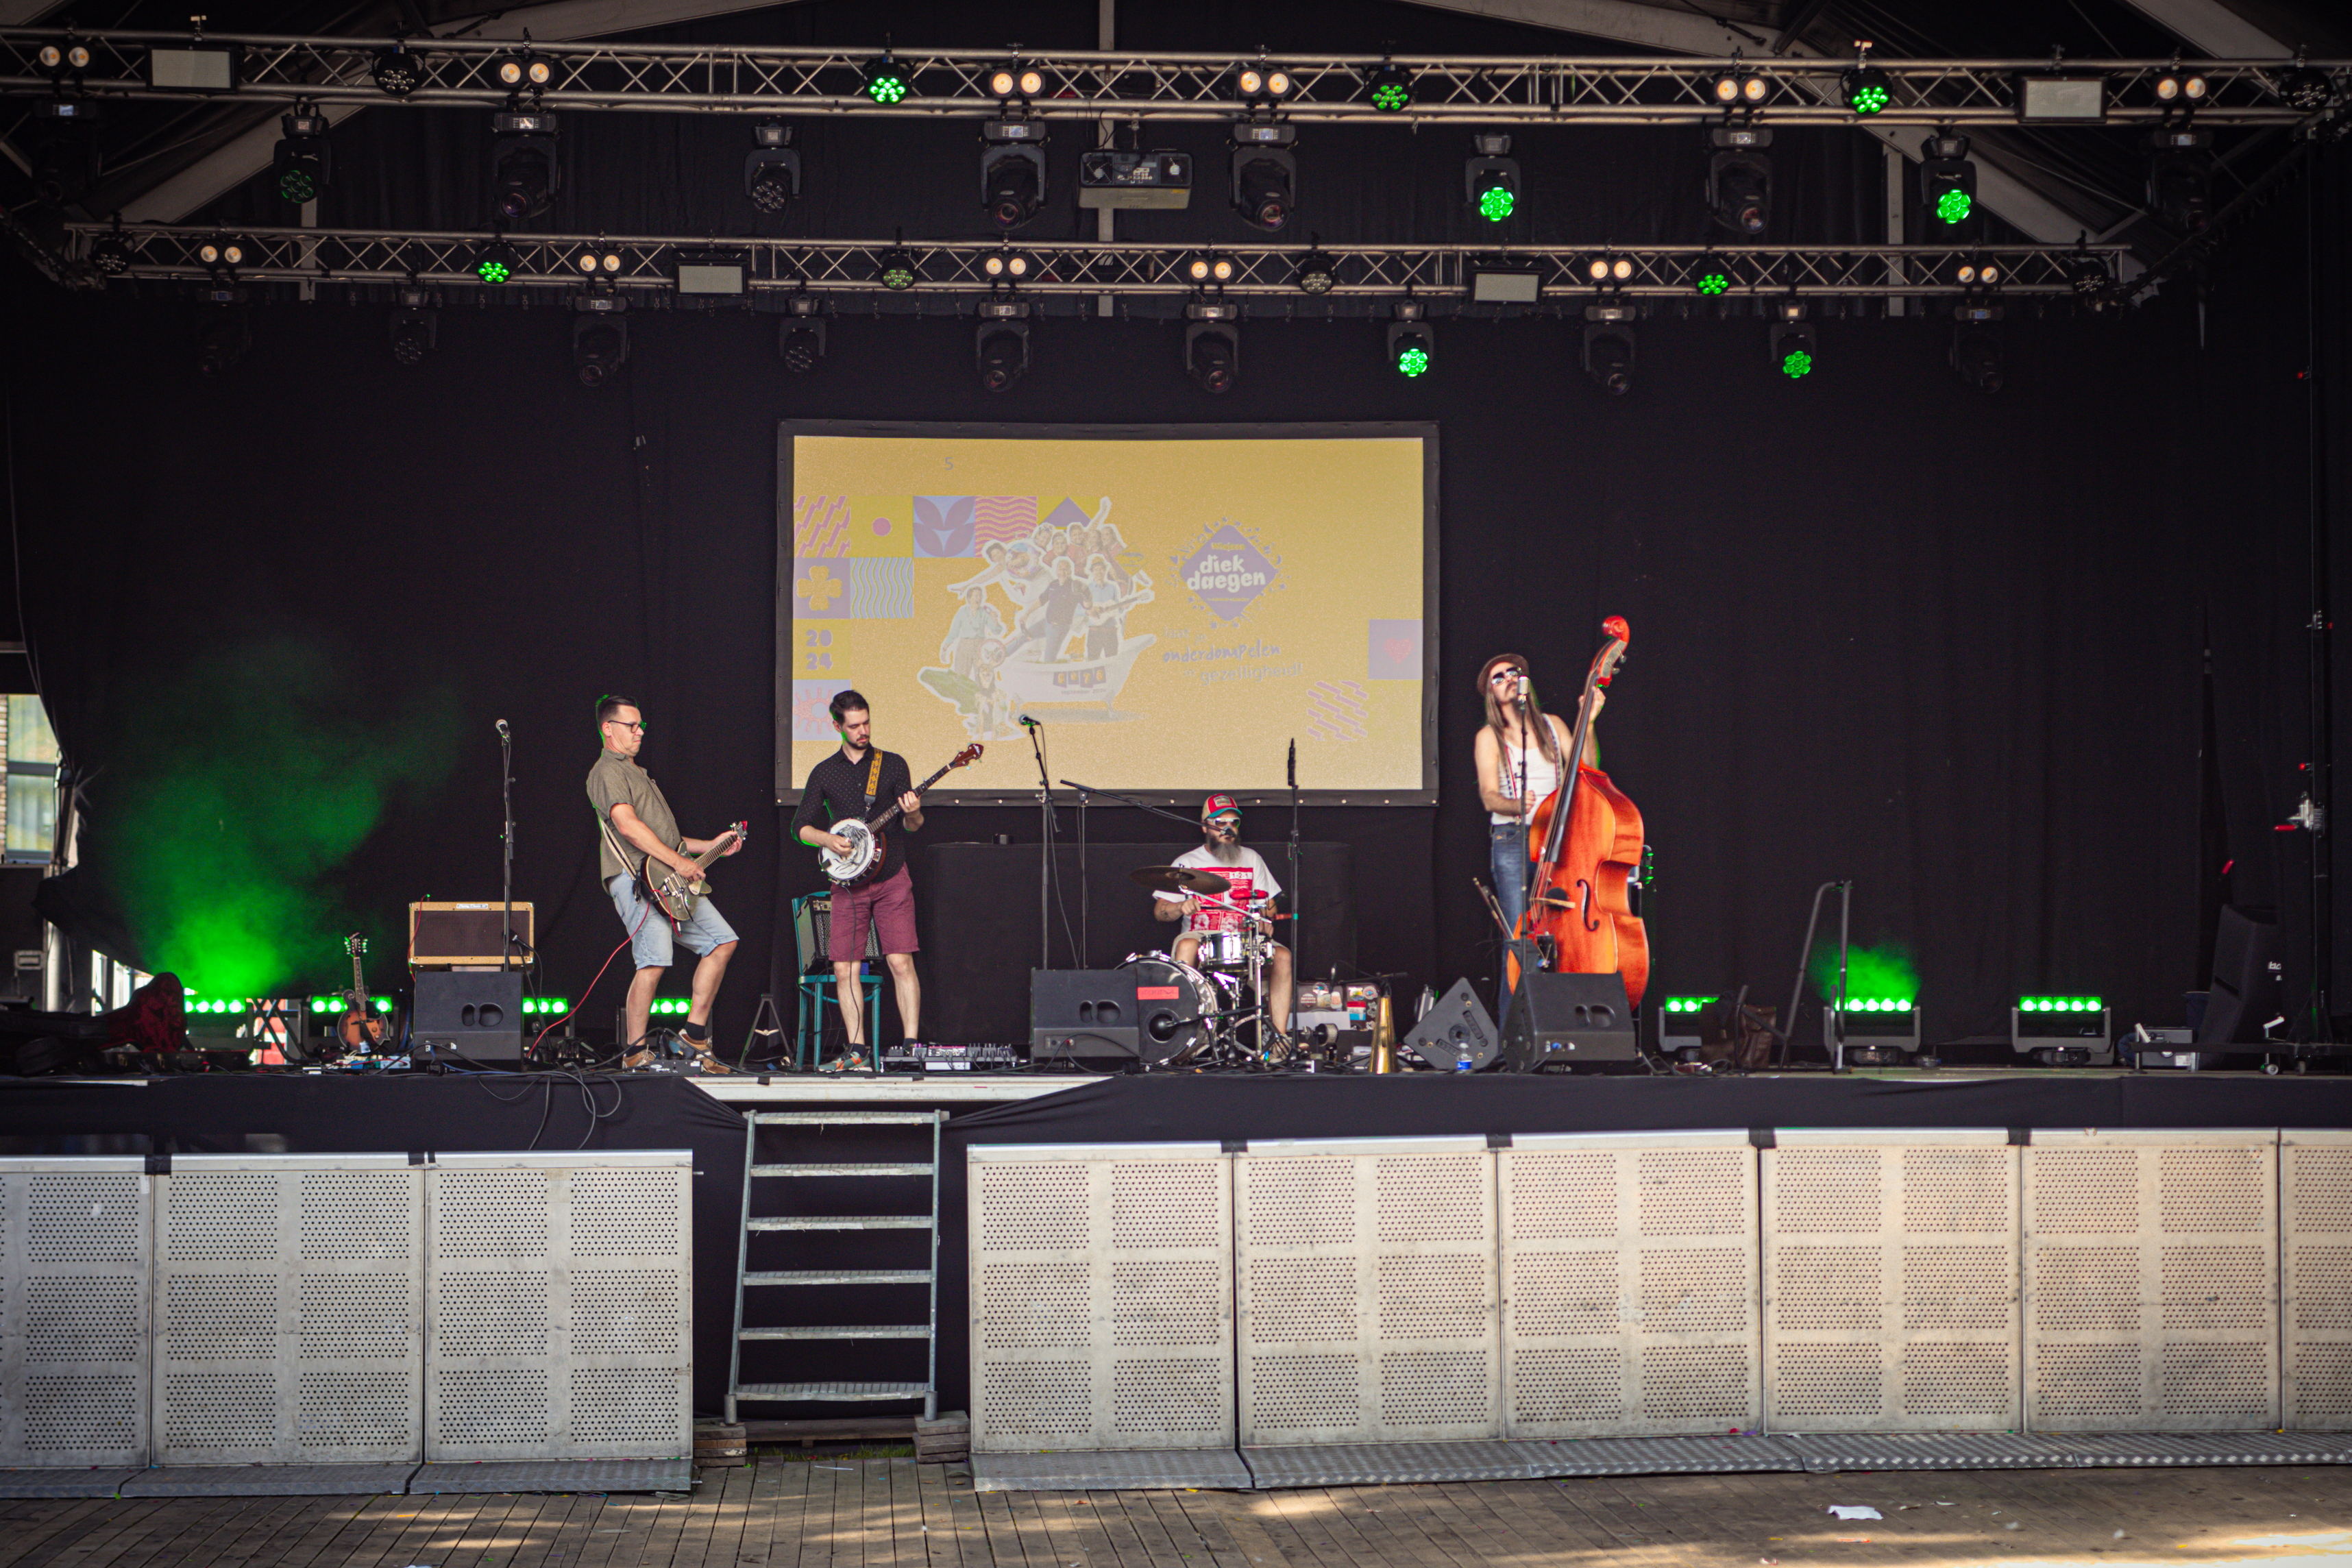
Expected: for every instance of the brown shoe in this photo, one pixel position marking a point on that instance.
(704, 1061)
(638, 1059)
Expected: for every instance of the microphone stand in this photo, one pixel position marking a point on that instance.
(1297, 902)
(506, 799)
(1044, 843)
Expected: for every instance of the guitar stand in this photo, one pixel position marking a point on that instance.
(768, 1027)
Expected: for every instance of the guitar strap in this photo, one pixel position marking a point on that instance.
(635, 868)
(873, 781)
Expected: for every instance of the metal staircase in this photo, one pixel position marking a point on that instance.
(814, 1231)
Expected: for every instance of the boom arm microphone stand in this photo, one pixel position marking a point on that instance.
(1044, 843)
(1297, 903)
(506, 799)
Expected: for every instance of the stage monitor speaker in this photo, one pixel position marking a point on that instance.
(1562, 1021)
(468, 1015)
(1084, 1015)
(1456, 1028)
(2248, 985)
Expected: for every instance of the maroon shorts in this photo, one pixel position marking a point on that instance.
(889, 904)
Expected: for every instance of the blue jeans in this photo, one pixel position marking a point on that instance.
(1507, 856)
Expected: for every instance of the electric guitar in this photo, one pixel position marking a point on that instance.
(676, 893)
(361, 1027)
(867, 842)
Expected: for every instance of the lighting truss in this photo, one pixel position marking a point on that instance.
(960, 268)
(1495, 90)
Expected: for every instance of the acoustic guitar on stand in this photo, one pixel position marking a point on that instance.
(867, 842)
(361, 1027)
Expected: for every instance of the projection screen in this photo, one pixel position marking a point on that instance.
(1174, 604)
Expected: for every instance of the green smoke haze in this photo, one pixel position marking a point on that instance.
(1887, 971)
(263, 771)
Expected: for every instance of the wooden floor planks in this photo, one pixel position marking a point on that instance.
(895, 1513)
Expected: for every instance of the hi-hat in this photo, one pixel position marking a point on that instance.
(1179, 879)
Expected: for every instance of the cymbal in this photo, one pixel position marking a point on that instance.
(1178, 879)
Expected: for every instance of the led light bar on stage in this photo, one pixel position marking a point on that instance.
(1684, 1023)
(2062, 1031)
(1880, 1031)
(338, 1005)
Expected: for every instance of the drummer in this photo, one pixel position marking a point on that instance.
(1220, 917)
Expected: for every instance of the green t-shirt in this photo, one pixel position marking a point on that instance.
(615, 779)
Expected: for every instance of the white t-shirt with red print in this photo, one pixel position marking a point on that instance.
(1252, 883)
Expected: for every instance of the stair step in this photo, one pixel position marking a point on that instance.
(839, 1277)
(843, 1118)
(854, 1332)
(831, 1393)
(849, 1222)
(882, 1170)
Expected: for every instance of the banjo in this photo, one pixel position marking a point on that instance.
(867, 842)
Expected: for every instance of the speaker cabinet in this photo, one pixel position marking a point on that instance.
(475, 1014)
(1457, 1027)
(2248, 981)
(1084, 1015)
(1562, 1021)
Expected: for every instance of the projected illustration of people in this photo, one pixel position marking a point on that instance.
(974, 622)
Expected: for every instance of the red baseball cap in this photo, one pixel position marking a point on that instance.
(1217, 803)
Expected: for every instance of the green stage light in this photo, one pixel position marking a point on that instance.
(885, 81)
(1714, 280)
(1796, 362)
(1866, 90)
(496, 262)
(1954, 207)
(1390, 89)
(1688, 1004)
(1497, 203)
(1412, 360)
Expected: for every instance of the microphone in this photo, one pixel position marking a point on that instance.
(1029, 723)
(502, 729)
(1526, 687)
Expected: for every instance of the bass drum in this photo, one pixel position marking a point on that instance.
(1177, 1007)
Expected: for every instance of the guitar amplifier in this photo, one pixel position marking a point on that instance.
(811, 928)
(463, 936)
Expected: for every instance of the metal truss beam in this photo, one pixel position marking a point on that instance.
(842, 267)
(1090, 85)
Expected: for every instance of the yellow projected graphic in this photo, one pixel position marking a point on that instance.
(1174, 611)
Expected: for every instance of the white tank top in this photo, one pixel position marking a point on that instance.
(1543, 777)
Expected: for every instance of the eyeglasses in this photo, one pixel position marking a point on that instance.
(1224, 822)
(1503, 675)
(636, 724)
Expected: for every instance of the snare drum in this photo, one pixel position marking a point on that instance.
(1221, 949)
(1177, 1007)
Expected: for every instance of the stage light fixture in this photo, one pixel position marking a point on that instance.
(1606, 271)
(396, 70)
(64, 62)
(520, 71)
(2089, 277)
(65, 150)
(1712, 276)
(800, 336)
(1011, 171)
(2176, 87)
(221, 254)
(110, 256)
(772, 169)
(710, 272)
(897, 270)
(1389, 88)
(1491, 180)
(1947, 190)
(1609, 350)
(2305, 90)
(1318, 272)
(1867, 89)
(1740, 178)
(1260, 85)
(223, 337)
(2180, 178)
(415, 329)
(2060, 100)
(524, 174)
(1006, 267)
(1015, 83)
(1001, 347)
(1740, 90)
(1212, 351)
(304, 161)
(203, 69)
(599, 338)
(1793, 344)
(1210, 271)
(495, 261)
(886, 80)
(1264, 173)
(1976, 355)
(1411, 346)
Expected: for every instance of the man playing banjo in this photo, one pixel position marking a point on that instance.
(846, 785)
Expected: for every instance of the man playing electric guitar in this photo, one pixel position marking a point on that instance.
(850, 783)
(632, 811)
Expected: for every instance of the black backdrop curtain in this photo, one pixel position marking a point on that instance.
(1884, 627)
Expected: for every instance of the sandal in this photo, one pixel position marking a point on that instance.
(849, 1061)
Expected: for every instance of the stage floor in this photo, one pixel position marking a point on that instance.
(844, 1513)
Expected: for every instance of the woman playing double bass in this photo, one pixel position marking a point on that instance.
(1514, 777)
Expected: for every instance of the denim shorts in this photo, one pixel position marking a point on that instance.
(651, 945)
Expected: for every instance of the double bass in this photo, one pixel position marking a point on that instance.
(1585, 840)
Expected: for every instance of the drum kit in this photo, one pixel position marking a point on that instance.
(1214, 1012)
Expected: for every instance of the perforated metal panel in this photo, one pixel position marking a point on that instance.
(1367, 1287)
(2316, 1267)
(1102, 1297)
(75, 1249)
(1629, 1284)
(289, 1290)
(559, 1323)
(1891, 1281)
(2151, 1281)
